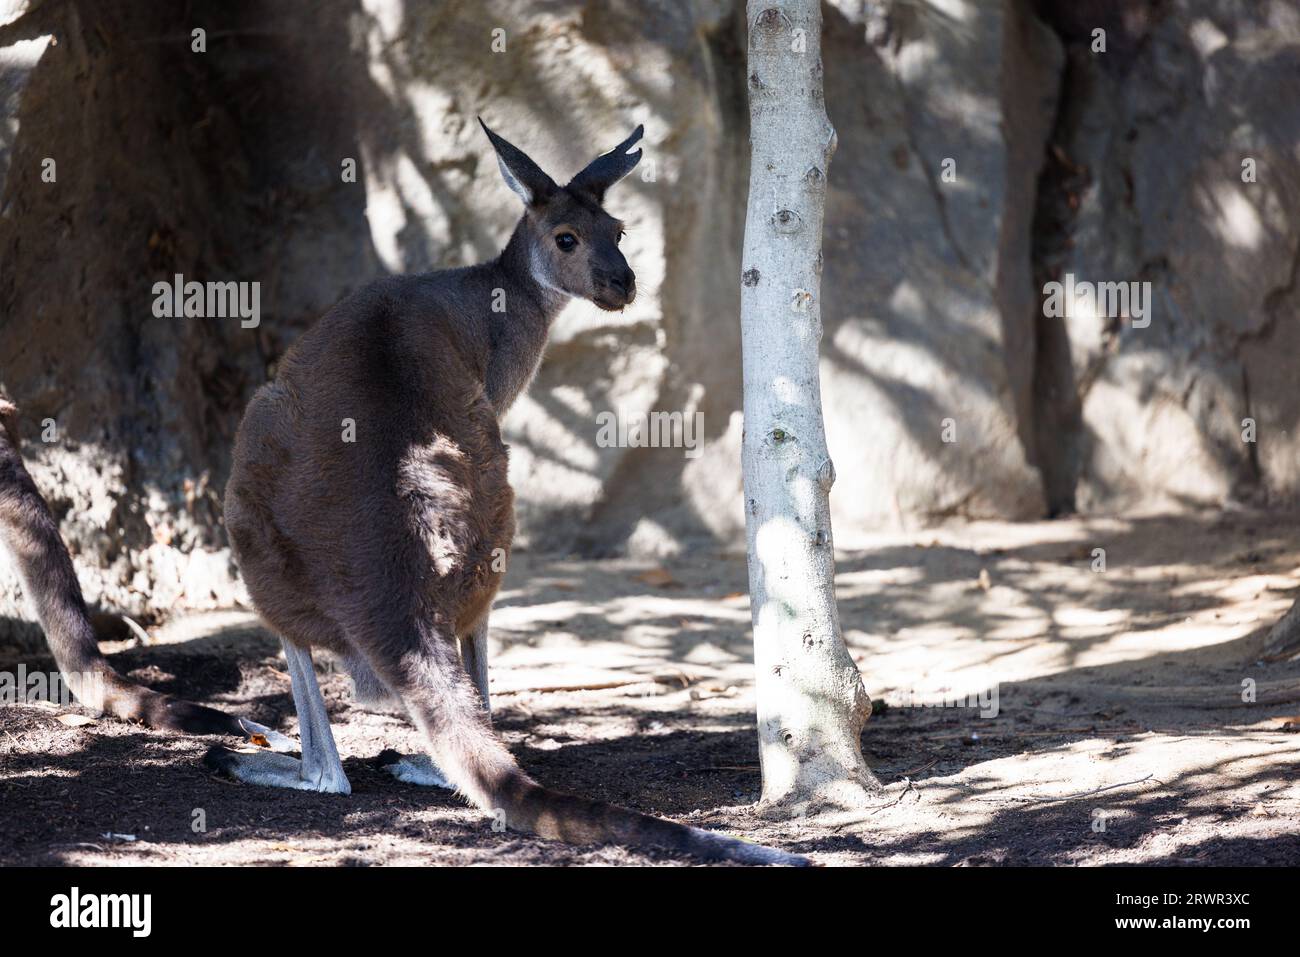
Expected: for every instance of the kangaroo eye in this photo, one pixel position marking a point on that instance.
(566, 242)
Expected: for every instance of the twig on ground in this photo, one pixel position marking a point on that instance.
(925, 767)
(909, 789)
(1088, 729)
(1084, 794)
(1206, 697)
(679, 678)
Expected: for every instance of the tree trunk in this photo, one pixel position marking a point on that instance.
(811, 702)
(1283, 642)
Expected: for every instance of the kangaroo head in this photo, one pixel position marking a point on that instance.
(572, 241)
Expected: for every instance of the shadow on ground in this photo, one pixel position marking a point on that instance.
(1119, 732)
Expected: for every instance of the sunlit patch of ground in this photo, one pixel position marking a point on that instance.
(1106, 714)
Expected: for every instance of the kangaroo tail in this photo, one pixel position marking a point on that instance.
(577, 820)
(29, 530)
(473, 758)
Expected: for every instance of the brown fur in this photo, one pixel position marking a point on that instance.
(383, 549)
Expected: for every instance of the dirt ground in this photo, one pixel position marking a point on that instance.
(1121, 735)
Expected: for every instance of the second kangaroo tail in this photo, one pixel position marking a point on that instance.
(30, 532)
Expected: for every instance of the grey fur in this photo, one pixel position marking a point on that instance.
(388, 550)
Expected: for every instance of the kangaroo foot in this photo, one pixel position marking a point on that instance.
(413, 769)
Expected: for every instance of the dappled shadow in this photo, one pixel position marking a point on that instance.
(1178, 821)
(1082, 704)
(1028, 602)
(1172, 608)
(212, 667)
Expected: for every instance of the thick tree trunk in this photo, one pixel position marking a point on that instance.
(1283, 642)
(811, 702)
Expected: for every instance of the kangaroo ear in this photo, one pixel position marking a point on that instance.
(608, 168)
(520, 173)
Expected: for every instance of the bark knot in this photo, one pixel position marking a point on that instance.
(771, 22)
(826, 474)
(787, 221)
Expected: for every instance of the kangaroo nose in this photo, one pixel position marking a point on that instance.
(625, 284)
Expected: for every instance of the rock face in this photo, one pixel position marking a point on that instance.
(942, 113)
(1181, 171)
(985, 148)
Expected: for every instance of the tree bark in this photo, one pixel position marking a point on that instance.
(811, 701)
(1283, 642)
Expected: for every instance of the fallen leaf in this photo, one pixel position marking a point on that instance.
(658, 577)
(75, 720)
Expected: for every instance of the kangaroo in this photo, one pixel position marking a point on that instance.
(387, 550)
(369, 510)
(31, 533)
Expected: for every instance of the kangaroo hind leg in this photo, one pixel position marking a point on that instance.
(474, 656)
(424, 669)
(419, 768)
(320, 768)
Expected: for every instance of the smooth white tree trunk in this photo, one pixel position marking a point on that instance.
(811, 701)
